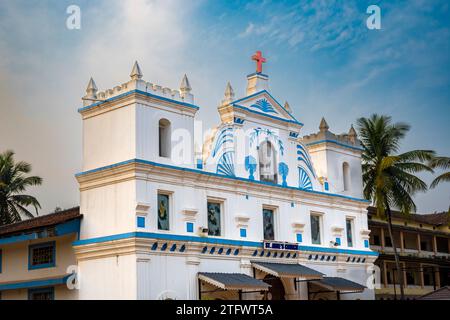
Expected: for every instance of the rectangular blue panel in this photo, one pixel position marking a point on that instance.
(338, 241)
(327, 186)
(243, 233)
(189, 227)
(199, 164)
(299, 237)
(366, 243)
(141, 222)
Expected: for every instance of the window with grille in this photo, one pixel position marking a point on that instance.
(41, 294)
(42, 255)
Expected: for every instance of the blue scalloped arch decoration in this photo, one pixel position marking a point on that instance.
(263, 105)
(225, 165)
(269, 135)
(303, 156)
(225, 135)
(304, 181)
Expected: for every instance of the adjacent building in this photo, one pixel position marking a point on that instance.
(423, 243)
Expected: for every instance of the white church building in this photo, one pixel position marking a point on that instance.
(255, 210)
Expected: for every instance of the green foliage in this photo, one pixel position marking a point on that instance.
(389, 178)
(442, 163)
(13, 182)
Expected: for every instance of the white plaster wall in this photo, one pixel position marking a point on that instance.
(328, 163)
(186, 196)
(108, 209)
(109, 138)
(112, 277)
(147, 135)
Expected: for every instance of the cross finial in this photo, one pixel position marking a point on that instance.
(259, 61)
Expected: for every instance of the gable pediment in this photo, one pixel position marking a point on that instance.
(262, 103)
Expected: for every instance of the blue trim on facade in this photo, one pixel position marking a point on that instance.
(41, 245)
(299, 237)
(215, 175)
(257, 74)
(199, 164)
(72, 226)
(338, 241)
(148, 94)
(140, 221)
(34, 283)
(336, 143)
(214, 241)
(243, 233)
(266, 115)
(366, 243)
(189, 227)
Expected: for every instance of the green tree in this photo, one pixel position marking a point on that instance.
(13, 182)
(442, 163)
(389, 177)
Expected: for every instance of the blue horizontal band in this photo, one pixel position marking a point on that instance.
(213, 241)
(156, 164)
(185, 104)
(34, 283)
(335, 142)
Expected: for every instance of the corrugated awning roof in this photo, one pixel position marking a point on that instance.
(340, 284)
(286, 270)
(439, 294)
(233, 281)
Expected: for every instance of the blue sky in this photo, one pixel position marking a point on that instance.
(321, 58)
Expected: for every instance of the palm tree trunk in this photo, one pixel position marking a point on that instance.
(397, 260)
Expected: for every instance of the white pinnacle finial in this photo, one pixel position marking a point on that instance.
(229, 94)
(136, 72)
(91, 89)
(287, 107)
(323, 125)
(352, 135)
(185, 85)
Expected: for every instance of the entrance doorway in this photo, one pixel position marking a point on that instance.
(276, 291)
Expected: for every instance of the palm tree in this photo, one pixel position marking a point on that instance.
(13, 182)
(389, 178)
(443, 163)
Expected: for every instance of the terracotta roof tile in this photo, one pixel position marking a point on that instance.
(435, 219)
(41, 221)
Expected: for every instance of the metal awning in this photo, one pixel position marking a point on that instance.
(233, 281)
(288, 270)
(340, 285)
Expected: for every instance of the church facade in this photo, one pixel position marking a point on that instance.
(255, 210)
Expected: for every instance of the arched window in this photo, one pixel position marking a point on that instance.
(267, 162)
(346, 176)
(164, 138)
